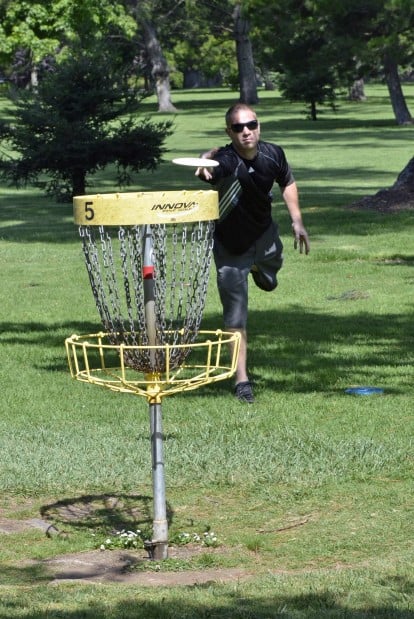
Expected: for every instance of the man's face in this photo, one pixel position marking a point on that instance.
(244, 132)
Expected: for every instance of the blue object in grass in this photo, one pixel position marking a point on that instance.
(364, 390)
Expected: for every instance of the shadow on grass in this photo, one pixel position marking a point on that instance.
(310, 350)
(305, 346)
(35, 222)
(25, 576)
(104, 513)
(227, 604)
(30, 217)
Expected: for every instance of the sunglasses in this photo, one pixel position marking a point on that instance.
(238, 127)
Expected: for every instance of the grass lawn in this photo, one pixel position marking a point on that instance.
(309, 490)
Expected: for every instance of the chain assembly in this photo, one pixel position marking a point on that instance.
(180, 257)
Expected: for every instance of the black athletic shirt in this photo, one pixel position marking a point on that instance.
(245, 206)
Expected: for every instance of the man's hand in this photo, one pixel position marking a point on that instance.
(206, 173)
(301, 237)
(291, 197)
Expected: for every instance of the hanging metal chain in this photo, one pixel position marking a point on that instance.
(94, 266)
(182, 259)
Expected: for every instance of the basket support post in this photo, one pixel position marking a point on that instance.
(158, 546)
(149, 291)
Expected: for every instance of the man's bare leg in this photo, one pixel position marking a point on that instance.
(241, 368)
(243, 387)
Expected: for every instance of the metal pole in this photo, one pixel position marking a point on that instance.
(158, 547)
(149, 295)
(159, 542)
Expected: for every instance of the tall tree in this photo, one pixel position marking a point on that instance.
(244, 53)
(33, 30)
(294, 42)
(148, 14)
(347, 40)
(201, 44)
(392, 39)
(392, 78)
(41, 29)
(203, 35)
(376, 35)
(203, 32)
(160, 72)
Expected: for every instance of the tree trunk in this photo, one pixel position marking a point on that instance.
(159, 68)
(192, 78)
(406, 177)
(78, 182)
(357, 92)
(313, 112)
(245, 62)
(34, 78)
(399, 104)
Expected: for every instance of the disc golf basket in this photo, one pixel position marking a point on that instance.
(148, 258)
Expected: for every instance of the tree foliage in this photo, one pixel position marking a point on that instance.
(293, 42)
(314, 47)
(318, 47)
(81, 119)
(32, 32)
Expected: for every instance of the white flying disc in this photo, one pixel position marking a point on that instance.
(196, 162)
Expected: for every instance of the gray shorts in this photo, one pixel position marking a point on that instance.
(265, 255)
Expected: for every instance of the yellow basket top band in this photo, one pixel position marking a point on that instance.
(154, 207)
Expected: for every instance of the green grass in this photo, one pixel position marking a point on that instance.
(309, 489)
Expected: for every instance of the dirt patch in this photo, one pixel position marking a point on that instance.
(10, 525)
(129, 567)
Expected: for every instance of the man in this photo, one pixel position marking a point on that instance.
(246, 239)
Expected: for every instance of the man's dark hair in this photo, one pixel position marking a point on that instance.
(236, 108)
